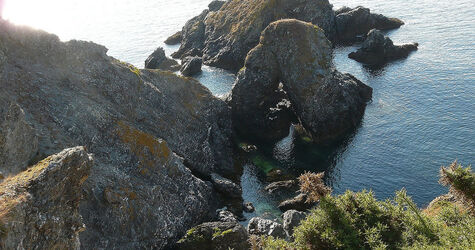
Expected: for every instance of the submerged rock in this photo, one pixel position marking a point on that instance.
(298, 203)
(174, 39)
(352, 23)
(260, 226)
(292, 219)
(248, 207)
(215, 236)
(296, 54)
(150, 132)
(39, 207)
(158, 60)
(378, 49)
(191, 66)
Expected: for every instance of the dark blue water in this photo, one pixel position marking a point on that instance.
(423, 110)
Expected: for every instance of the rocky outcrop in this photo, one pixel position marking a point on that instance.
(18, 140)
(296, 54)
(191, 66)
(158, 60)
(193, 37)
(357, 22)
(292, 219)
(299, 203)
(39, 207)
(215, 236)
(174, 39)
(378, 49)
(151, 132)
(216, 5)
(280, 186)
(260, 226)
(226, 186)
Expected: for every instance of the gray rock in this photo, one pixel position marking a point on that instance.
(351, 23)
(191, 66)
(140, 193)
(193, 37)
(280, 186)
(298, 203)
(216, 5)
(329, 104)
(39, 207)
(226, 216)
(215, 236)
(292, 219)
(248, 207)
(174, 39)
(18, 140)
(260, 226)
(158, 60)
(378, 49)
(226, 186)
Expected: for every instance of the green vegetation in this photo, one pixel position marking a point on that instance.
(359, 221)
(218, 232)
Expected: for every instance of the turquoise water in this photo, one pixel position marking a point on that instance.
(421, 117)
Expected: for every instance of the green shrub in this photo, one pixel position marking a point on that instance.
(360, 221)
(462, 183)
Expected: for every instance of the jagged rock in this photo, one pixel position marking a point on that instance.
(140, 194)
(378, 49)
(191, 66)
(328, 103)
(298, 203)
(174, 39)
(280, 186)
(216, 5)
(351, 23)
(158, 60)
(260, 226)
(226, 216)
(292, 219)
(39, 207)
(18, 140)
(193, 38)
(248, 207)
(226, 186)
(215, 236)
(235, 29)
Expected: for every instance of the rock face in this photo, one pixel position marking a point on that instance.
(297, 54)
(18, 141)
(378, 49)
(216, 5)
(150, 131)
(226, 186)
(259, 226)
(292, 219)
(215, 236)
(193, 39)
(191, 66)
(351, 23)
(39, 207)
(174, 39)
(158, 60)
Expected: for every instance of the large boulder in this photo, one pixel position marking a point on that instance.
(226, 186)
(151, 132)
(191, 66)
(299, 203)
(158, 60)
(260, 226)
(175, 38)
(356, 22)
(281, 186)
(39, 207)
(297, 54)
(292, 219)
(378, 49)
(215, 236)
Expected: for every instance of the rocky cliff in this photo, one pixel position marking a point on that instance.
(151, 133)
(298, 56)
(39, 206)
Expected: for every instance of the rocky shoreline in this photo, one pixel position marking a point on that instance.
(96, 153)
